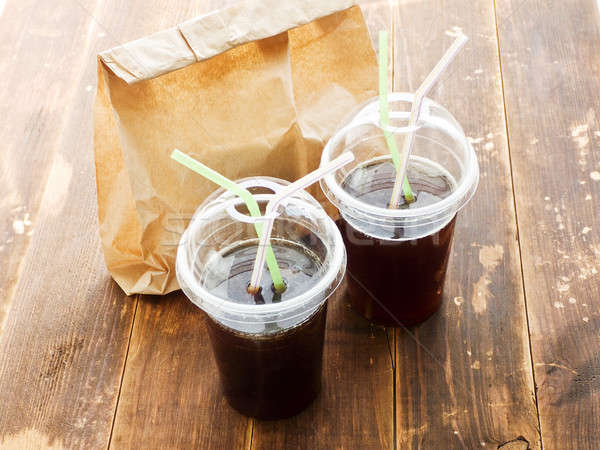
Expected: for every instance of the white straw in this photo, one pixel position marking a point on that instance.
(415, 111)
(281, 195)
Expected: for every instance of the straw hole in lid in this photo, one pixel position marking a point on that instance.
(242, 208)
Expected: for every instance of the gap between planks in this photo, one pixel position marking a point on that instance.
(251, 432)
(514, 195)
(112, 426)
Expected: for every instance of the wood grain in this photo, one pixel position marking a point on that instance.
(551, 71)
(65, 325)
(40, 68)
(464, 377)
(170, 396)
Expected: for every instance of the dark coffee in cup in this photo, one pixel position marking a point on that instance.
(405, 285)
(397, 257)
(273, 372)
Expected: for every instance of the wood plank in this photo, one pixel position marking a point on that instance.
(40, 66)
(355, 407)
(65, 325)
(170, 396)
(551, 71)
(464, 377)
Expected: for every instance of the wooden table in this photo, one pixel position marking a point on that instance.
(511, 361)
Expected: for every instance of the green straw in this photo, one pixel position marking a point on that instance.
(384, 115)
(245, 195)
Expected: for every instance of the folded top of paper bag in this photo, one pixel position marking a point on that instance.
(206, 36)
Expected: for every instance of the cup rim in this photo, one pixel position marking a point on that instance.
(203, 298)
(460, 196)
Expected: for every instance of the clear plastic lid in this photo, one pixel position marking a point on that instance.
(440, 146)
(302, 232)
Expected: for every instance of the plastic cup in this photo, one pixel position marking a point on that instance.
(268, 347)
(397, 258)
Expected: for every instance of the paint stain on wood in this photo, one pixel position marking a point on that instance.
(58, 184)
(489, 257)
(579, 134)
(29, 438)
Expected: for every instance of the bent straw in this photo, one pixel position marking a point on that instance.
(415, 111)
(384, 115)
(281, 195)
(245, 195)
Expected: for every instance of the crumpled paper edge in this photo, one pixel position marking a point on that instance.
(206, 36)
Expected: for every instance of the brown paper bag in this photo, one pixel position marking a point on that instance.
(254, 89)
